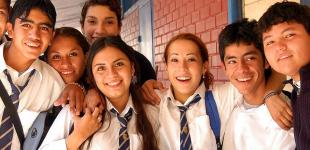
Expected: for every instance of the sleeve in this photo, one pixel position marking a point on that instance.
(146, 70)
(60, 129)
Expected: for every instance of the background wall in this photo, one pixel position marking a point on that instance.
(255, 8)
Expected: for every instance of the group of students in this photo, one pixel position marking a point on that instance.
(121, 83)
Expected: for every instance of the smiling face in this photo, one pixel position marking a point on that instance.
(244, 66)
(30, 36)
(100, 21)
(286, 47)
(67, 57)
(185, 68)
(112, 71)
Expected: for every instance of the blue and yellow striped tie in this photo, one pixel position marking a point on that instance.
(123, 139)
(185, 138)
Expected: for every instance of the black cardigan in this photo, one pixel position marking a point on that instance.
(301, 110)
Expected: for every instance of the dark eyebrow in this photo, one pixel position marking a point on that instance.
(100, 64)
(23, 20)
(266, 37)
(118, 60)
(229, 57)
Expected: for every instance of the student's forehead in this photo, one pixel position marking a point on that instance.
(241, 48)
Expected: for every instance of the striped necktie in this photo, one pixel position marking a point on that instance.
(185, 138)
(6, 128)
(123, 140)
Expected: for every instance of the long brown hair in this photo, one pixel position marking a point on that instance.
(207, 77)
(143, 124)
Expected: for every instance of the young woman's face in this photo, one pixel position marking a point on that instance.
(100, 21)
(185, 68)
(112, 71)
(67, 57)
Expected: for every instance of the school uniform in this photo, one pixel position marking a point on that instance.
(44, 86)
(202, 136)
(301, 109)
(107, 137)
(252, 127)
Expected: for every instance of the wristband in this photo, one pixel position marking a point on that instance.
(270, 94)
(78, 85)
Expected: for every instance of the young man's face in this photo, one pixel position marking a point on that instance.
(286, 47)
(245, 67)
(32, 35)
(100, 21)
(4, 13)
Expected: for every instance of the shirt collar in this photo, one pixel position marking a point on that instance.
(200, 91)
(128, 106)
(297, 83)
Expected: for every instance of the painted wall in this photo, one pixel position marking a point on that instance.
(255, 8)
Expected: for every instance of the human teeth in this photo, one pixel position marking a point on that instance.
(183, 78)
(244, 79)
(66, 72)
(113, 83)
(283, 57)
(32, 44)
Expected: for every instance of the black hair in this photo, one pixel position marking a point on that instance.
(74, 33)
(143, 125)
(22, 8)
(285, 12)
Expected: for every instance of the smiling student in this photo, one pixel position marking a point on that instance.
(128, 123)
(183, 121)
(285, 32)
(32, 84)
(250, 125)
(67, 54)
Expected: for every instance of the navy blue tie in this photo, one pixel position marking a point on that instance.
(185, 138)
(123, 140)
(6, 128)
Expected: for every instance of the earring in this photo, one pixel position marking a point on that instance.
(134, 79)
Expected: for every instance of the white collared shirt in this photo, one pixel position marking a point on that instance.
(255, 129)
(202, 136)
(42, 90)
(104, 138)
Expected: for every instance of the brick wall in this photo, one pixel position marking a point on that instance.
(205, 18)
(130, 28)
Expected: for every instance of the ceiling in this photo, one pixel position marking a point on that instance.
(68, 12)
